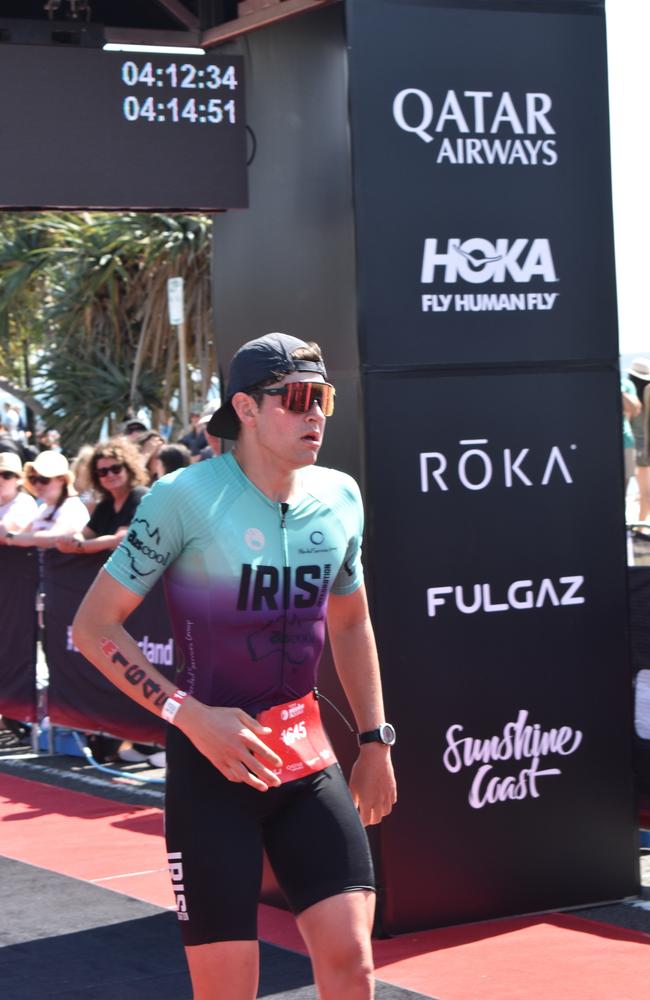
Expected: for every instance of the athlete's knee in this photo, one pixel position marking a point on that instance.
(354, 982)
(346, 964)
(224, 970)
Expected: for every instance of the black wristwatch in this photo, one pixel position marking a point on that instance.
(385, 733)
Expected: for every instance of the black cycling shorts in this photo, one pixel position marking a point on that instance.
(216, 831)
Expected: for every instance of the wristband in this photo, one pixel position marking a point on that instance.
(172, 705)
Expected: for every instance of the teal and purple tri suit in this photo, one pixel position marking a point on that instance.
(247, 582)
(247, 579)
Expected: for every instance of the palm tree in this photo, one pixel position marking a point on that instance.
(106, 346)
(21, 322)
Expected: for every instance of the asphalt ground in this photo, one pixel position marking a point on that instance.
(96, 926)
(66, 938)
(78, 941)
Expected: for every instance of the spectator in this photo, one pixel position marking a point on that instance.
(195, 439)
(8, 444)
(171, 457)
(11, 421)
(214, 445)
(17, 509)
(51, 440)
(133, 428)
(118, 475)
(166, 425)
(49, 479)
(80, 467)
(150, 444)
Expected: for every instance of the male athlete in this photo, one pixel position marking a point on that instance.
(260, 548)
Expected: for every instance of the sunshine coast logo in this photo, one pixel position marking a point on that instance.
(519, 742)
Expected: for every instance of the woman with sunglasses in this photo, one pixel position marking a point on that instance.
(49, 480)
(118, 475)
(17, 508)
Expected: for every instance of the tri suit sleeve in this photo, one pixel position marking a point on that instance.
(153, 542)
(349, 509)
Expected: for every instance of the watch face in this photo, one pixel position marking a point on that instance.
(387, 734)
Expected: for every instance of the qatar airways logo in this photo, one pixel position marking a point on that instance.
(518, 743)
(480, 127)
(479, 261)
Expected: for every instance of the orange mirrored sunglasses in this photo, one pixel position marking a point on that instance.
(299, 397)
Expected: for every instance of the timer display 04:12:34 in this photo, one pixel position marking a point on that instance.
(185, 76)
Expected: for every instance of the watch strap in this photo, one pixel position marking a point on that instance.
(377, 735)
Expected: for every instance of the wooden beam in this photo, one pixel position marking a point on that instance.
(245, 7)
(258, 19)
(181, 13)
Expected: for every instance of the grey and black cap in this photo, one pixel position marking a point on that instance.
(256, 362)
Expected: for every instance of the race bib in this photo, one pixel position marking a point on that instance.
(297, 737)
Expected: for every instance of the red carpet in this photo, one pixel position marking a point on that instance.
(116, 846)
(553, 957)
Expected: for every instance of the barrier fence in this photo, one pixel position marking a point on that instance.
(78, 695)
(18, 590)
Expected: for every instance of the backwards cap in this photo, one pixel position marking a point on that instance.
(258, 361)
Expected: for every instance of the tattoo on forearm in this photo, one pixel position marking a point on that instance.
(134, 673)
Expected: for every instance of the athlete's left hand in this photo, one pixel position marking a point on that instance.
(372, 783)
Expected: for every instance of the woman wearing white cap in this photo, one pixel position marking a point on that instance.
(17, 508)
(48, 478)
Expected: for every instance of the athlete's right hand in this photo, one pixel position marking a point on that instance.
(230, 739)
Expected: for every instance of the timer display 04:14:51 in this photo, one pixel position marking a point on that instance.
(213, 112)
(185, 76)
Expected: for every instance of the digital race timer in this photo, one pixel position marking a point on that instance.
(185, 77)
(93, 129)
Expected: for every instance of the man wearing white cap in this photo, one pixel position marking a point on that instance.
(262, 552)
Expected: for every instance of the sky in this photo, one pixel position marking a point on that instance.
(628, 44)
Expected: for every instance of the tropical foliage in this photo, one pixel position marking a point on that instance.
(86, 296)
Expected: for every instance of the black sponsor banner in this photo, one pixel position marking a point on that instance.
(497, 567)
(639, 589)
(18, 586)
(496, 555)
(482, 182)
(639, 586)
(79, 695)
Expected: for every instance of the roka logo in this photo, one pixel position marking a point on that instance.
(477, 261)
